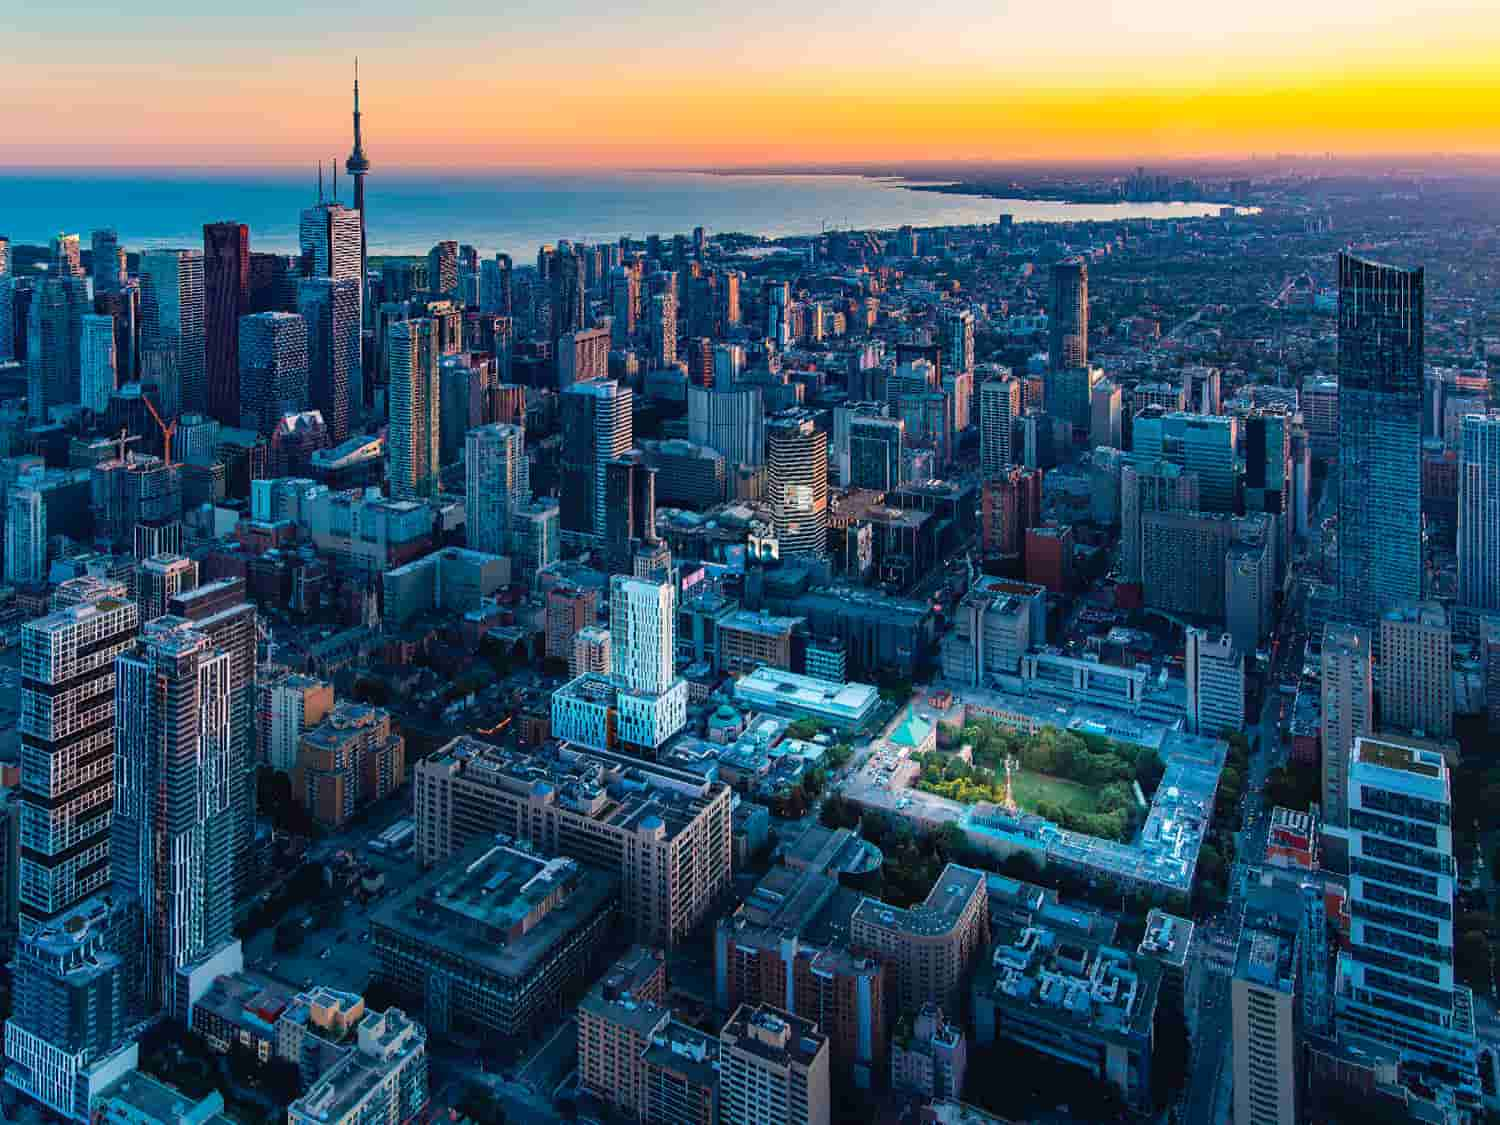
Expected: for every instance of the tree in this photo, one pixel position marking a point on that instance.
(804, 729)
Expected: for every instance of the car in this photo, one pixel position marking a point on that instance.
(324, 955)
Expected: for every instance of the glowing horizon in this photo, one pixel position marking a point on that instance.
(670, 86)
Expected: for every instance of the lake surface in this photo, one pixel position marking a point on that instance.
(516, 212)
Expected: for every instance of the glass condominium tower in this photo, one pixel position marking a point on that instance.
(1380, 346)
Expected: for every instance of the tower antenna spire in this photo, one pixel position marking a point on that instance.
(335, 163)
(320, 180)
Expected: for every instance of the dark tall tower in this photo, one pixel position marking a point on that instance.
(226, 298)
(1380, 436)
(358, 166)
(1068, 321)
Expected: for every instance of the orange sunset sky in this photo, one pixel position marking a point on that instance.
(567, 83)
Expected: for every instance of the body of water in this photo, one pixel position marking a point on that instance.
(513, 212)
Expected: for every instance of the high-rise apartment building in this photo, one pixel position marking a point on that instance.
(999, 410)
(226, 298)
(414, 402)
(1479, 511)
(220, 612)
(1215, 673)
(957, 327)
(778, 299)
(173, 823)
(797, 483)
(1010, 506)
(497, 485)
(1395, 984)
(172, 340)
(53, 343)
(1348, 711)
(630, 510)
(1416, 669)
(26, 535)
(652, 700)
(582, 354)
(597, 427)
(98, 362)
(1068, 315)
(773, 1069)
(286, 705)
(67, 727)
(161, 578)
(273, 369)
(1380, 350)
(335, 351)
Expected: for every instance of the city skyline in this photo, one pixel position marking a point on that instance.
(1171, 80)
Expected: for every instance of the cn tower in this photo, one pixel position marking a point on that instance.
(357, 166)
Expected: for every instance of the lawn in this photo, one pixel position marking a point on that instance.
(1032, 789)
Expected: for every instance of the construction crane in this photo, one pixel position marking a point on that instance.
(166, 430)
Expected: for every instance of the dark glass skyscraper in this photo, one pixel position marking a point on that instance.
(1380, 436)
(1068, 318)
(226, 298)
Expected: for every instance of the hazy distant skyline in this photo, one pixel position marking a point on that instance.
(567, 84)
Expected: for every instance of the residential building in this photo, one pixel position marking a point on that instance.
(172, 339)
(348, 761)
(590, 652)
(413, 400)
(67, 730)
(383, 1079)
(1395, 984)
(1106, 420)
(286, 704)
(98, 362)
(335, 351)
(174, 817)
(797, 483)
(667, 836)
(54, 336)
(26, 535)
(1348, 711)
(1010, 506)
(729, 418)
(1479, 511)
(773, 1069)
(161, 578)
(498, 484)
(226, 298)
(596, 429)
(1068, 315)
(930, 947)
(582, 355)
(569, 609)
(1416, 669)
(929, 1055)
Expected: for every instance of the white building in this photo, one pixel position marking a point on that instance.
(26, 536)
(999, 407)
(1215, 672)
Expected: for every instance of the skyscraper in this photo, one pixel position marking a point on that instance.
(597, 427)
(442, 268)
(358, 166)
(67, 728)
(958, 339)
(273, 368)
(497, 485)
(1479, 511)
(1348, 711)
(582, 354)
(778, 325)
(332, 240)
(174, 819)
(226, 298)
(629, 510)
(108, 265)
(67, 257)
(7, 305)
(335, 350)
(98, 363)
(999, 408)
(1380, 349)
(25, 535)
(54, 339)
(797, 483)
(569, 305)
(1395, 983)
(662, 326)
(730, 419)
(414, 402)
(172, 341)
(652, 698)
(1068, 317)
(875, 449)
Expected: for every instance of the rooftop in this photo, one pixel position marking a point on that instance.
(496, 906)
(937, 914)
